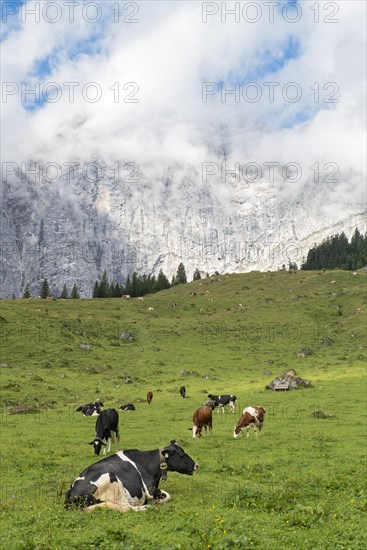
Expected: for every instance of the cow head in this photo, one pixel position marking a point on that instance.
(212, 403)
(177, 460)
(97, 444)
(237, 432)
(196, 431)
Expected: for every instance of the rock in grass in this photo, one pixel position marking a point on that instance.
(23, 409)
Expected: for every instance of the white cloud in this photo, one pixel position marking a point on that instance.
(168, 54)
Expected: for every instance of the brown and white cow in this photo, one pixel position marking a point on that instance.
(252, 417)
(202, 418)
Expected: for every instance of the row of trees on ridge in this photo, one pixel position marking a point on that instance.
(335, 252)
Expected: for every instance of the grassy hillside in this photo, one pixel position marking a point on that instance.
(301, 485)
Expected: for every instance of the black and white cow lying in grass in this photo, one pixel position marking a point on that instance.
(91, 409)
(128, 480)
(128, 407)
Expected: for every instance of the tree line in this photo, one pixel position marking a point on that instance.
(135, 285)
(139, 285)
(337, 252)
(45, 291)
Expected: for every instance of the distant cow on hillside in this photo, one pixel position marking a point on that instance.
(252, 417)
(149, 397)
(128, 407)
(183, 391)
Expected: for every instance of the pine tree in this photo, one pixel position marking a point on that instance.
(104, 286)
(64, 294)
(26, 292)
(45, 290)
(96, 290)
(162, 281)
(135, 285)
(181, 278)
(127, 289)
(197, 275)
(337, 252)
(118, 291)
(74, 292)
(153, 284)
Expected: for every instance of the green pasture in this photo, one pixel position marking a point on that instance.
(300, 485)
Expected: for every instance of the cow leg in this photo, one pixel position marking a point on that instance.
(117, 440)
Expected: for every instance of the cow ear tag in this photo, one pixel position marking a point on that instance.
(166, 455)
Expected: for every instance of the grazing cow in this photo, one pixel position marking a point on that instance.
(149, 397)
(107, 422)
(359, 311)
(183, 391)
(221, 401)
(128, 480)
(128, 407)
(140, 298)
(252, 417)
(91, 409)
(126, 296)
(202, 418)
(150, 310)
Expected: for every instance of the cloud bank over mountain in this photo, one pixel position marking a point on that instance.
(185, 107)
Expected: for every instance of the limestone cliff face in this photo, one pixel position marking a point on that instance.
(71, 231)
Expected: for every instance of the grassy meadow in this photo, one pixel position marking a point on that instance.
(300, 485)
